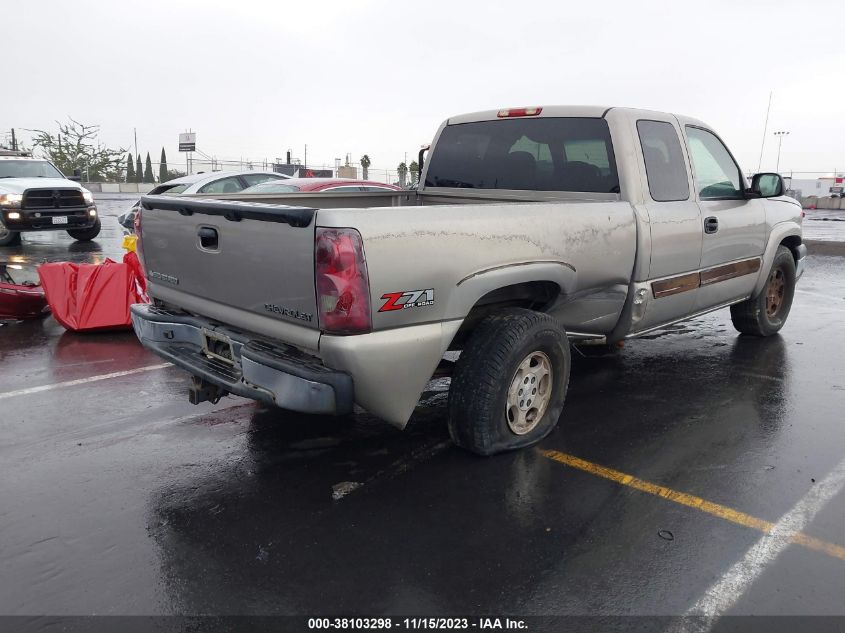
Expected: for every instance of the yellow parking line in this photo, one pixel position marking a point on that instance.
(691, 501)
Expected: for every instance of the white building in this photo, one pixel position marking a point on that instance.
(819, 187)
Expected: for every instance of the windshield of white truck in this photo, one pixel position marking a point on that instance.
(546, 154)
(28, 169)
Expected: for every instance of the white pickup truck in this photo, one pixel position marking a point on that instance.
(36, 196)
(531, 228)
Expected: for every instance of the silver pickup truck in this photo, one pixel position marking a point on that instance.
(531, 228)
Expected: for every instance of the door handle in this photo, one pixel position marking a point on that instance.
(208, 237)
(711, 225)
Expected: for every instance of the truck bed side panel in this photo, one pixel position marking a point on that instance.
(438, 248)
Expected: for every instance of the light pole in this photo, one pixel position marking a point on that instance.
(780, 136)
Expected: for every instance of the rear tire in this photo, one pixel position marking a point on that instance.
(766, 313)
(9, 238)
(85, 235)
(509, 383)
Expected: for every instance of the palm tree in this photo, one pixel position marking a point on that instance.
(403, 173)
(414, 168)
(365, 166)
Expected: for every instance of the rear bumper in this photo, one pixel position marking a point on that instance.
(273, 373)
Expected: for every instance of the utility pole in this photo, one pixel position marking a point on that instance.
(780, 136)
(765, 129)
(306, 157)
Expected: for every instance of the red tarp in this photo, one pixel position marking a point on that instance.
(85, 297)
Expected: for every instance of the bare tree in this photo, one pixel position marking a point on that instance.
(77, 146)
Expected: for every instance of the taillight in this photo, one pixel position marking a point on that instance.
(136, 223)
(343, 287)
(516, 112)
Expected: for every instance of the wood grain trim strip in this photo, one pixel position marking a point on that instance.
(691, 281)
(675, 285)
(729, 271)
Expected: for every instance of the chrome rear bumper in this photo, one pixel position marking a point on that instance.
(271, 372)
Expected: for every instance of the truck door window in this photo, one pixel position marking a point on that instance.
(546, 154)
(664, 161)
(717, 176)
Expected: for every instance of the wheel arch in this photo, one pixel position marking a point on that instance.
(792, 242)
(534, 286)
(783, 234)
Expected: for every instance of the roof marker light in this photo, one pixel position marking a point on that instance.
(516, 112)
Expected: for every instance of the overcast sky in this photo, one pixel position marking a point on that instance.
(254, 79)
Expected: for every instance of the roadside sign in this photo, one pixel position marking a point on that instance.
(188, 142)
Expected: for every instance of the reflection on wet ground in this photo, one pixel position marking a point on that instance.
(824, 225)
(120, 497)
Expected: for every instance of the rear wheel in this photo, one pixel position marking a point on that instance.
(766, 313)
(7, 237)
(85, 235)
(509, 383)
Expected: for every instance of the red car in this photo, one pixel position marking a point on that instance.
(310, 185)
(21, 295)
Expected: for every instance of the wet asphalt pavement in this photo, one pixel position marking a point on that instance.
(119, 497)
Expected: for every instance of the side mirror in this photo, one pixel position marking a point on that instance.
(767, 185)
(77, 175)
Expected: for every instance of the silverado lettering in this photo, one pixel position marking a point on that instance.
(294, 314)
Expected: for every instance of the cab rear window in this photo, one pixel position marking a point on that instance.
(548, 154)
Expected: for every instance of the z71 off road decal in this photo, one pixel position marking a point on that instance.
(408, 299)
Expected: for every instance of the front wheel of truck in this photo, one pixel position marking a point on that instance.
(509, 383)
(7, 237)
(766, 313)
(85, 235)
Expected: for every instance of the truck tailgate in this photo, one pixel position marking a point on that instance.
(232, 258)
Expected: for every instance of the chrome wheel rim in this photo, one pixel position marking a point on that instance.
(775, 291)
(529, 393)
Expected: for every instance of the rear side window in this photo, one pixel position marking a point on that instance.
(550, 154)
(272, 187)
(232, 184)
(171, 190)
(664, 161)
(256, 179)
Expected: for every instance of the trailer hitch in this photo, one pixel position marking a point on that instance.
(202, 391)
